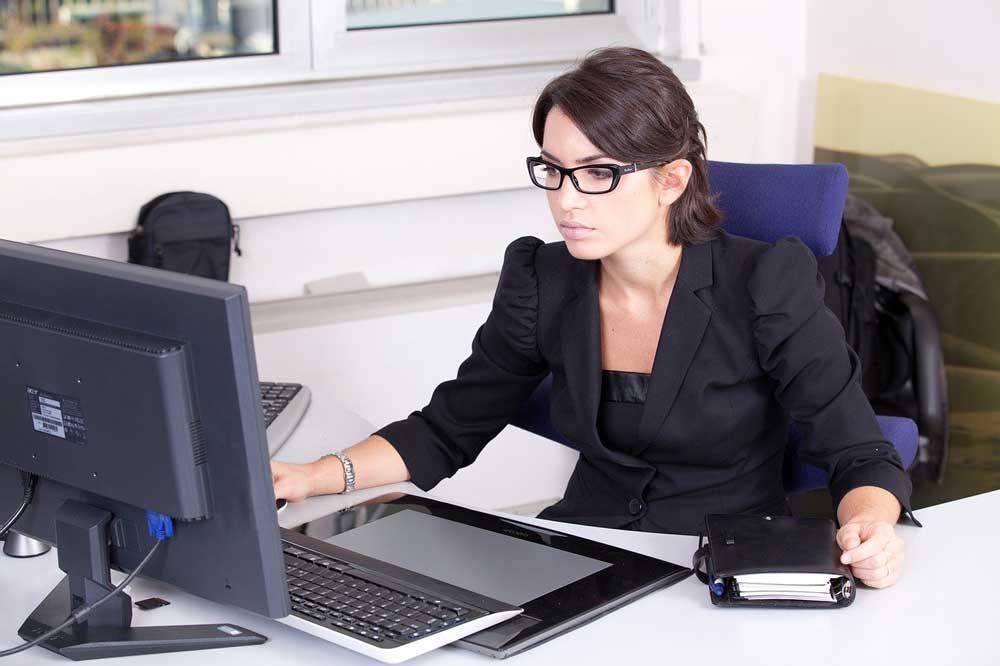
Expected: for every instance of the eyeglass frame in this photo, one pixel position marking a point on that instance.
(617, 170)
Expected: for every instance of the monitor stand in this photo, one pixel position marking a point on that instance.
(82, 545)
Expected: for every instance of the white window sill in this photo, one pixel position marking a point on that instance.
(151, 119)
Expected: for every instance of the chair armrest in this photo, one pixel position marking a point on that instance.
(902, 434)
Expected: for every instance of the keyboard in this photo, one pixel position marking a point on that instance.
(371, 613)
(284, 406)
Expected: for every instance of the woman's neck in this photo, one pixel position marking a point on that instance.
(640, 273)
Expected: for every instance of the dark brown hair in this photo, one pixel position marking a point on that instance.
(635, 109)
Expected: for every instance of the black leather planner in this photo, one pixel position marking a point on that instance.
(776, 561)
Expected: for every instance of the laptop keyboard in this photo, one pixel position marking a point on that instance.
(339, 596)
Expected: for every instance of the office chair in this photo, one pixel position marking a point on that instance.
(767, 202)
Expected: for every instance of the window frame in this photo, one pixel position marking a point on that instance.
(315, 46)
(123, 81)
(340, 53)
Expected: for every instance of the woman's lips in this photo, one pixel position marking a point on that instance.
(574, 231)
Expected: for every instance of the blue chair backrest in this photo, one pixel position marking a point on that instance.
(771, 201)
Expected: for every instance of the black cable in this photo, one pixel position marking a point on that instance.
(79, 614)
(28, 481)
(13, 519)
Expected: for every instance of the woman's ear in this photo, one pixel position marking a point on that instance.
(673, 180)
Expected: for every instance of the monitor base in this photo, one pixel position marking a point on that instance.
(79, 644)
(107, 631)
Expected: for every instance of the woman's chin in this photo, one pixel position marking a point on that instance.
(585, 249)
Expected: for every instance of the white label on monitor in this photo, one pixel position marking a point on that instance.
(57, 415)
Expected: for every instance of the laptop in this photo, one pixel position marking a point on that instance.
(493, 566)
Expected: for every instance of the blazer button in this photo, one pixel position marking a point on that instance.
(635, 507)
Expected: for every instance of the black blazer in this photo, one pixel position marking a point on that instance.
(746, 344)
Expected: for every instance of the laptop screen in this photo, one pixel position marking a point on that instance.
(495, 565)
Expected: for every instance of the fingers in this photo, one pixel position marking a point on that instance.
(882, 576)
(877, 558)
(893, 549)
(289, 481)
(876, 562)
(280, 481)
(848, 536)
(280, 489)
(287, 488)
(874, 538)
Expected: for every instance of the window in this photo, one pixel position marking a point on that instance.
(55, 51)
(77, 34)
(367, 14)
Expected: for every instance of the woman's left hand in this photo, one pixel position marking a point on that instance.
(873, 550)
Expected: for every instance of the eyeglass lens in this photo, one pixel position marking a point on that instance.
(595, 180)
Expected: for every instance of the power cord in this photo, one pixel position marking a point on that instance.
(28, 481)
(160, 527)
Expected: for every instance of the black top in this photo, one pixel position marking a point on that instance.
(622, 397)
(746, 344)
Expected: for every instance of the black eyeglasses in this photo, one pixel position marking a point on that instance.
(588, 179)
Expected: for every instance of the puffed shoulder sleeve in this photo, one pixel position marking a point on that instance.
(801, 345)
(504, 367)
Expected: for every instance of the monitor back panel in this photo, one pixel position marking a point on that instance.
(234, 556)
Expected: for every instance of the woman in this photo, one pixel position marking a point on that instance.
(678, 352)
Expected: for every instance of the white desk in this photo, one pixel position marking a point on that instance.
(928, 617)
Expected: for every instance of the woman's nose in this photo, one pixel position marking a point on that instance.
(568, 196)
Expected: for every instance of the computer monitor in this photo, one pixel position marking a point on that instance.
(129, 389)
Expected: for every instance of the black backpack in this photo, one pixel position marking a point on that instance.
(186, 232)
(849, 274)
(875, 321)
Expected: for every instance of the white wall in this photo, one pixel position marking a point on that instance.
(944, 47)
(757, 47)
(414, 240)
(772, 50)
(747, 97)
(389, 244)
(759, 59)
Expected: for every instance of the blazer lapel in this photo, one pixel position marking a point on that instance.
(683, 328)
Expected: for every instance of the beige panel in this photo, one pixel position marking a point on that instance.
(879, 118)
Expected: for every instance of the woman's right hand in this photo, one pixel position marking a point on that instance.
(292, 482)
